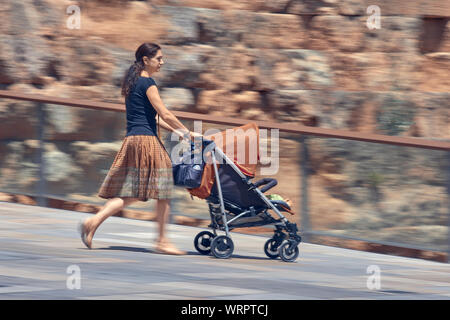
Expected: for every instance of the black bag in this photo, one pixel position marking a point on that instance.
(186, 173)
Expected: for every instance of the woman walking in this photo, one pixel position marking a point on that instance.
(142, 168)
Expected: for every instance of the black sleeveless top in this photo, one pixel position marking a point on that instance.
(141, 116)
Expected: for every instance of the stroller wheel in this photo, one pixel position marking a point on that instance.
(271, 249)
(222, 247)
(202, 242)
(289, 251)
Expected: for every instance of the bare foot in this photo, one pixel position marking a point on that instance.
(168, 248)
(86, 233)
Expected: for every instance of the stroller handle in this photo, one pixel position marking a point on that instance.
(268, 183)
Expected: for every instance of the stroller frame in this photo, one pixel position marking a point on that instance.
(280, 245)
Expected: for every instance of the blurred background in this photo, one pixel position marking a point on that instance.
(329, 64)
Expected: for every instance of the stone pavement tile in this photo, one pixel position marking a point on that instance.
(12, 255)
(91, 288)
(403, 262)
(15, 289)
(143, 235)
(62, 294)
(201, 290)
(338, 283)
(35, 254)
(232, 264)
(140, 296)
(13, 236)
(399, 295)
(428, 275)
(32, 273)
(294, 288)
(410, 285)
(264, 296)
(10, 281)
(358, 283)
(91, 260)
(227, 275)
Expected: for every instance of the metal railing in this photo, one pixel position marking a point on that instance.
(305, 135)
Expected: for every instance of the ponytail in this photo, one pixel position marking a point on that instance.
(131, 77)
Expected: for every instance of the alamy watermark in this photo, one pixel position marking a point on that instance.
(374, 20)
(374, 280)
(74, 20)
(240, 146)
(74, 279)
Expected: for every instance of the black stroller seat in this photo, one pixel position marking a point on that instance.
(244, 205)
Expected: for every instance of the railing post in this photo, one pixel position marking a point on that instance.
(42, 183)
(304, 165)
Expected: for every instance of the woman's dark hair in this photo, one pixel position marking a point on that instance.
(145, 50)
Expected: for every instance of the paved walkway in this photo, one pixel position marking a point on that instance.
(41, 256)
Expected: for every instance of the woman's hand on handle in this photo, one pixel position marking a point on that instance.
(193, 135)
(187, 135)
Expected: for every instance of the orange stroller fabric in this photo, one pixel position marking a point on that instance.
(244, 138)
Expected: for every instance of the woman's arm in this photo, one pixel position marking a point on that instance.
(168, 117)
(164, 124)
(182, 134)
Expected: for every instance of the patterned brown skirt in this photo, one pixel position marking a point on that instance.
(142, 169)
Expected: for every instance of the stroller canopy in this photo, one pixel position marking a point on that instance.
(241, 145)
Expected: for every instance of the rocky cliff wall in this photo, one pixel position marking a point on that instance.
(311, 62)
(291, 61)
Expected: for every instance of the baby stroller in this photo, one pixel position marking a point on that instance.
(236, 202)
